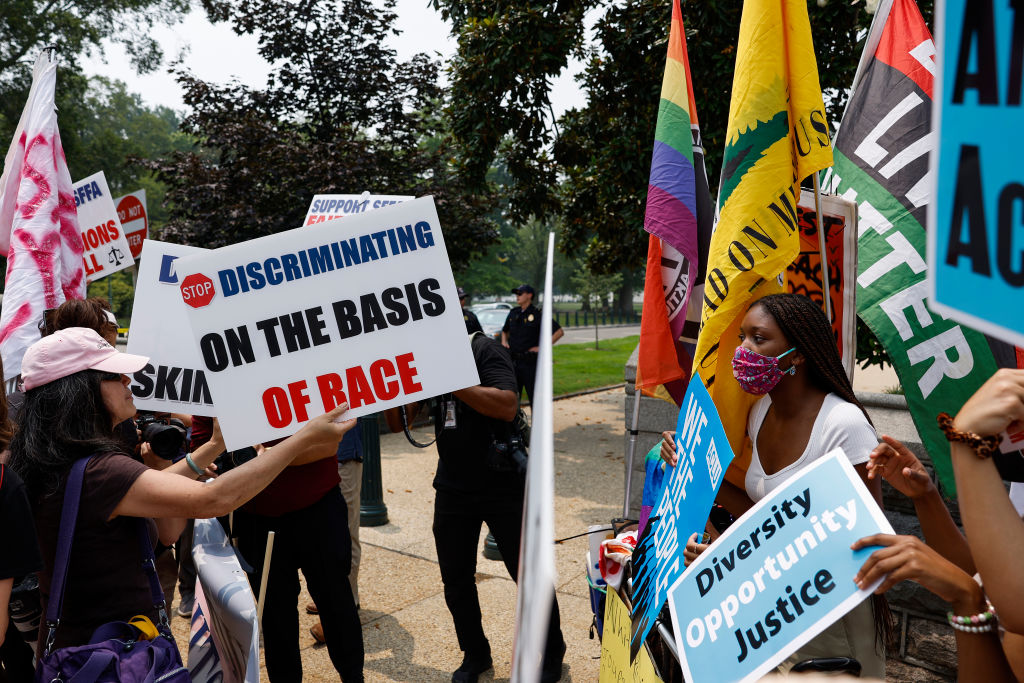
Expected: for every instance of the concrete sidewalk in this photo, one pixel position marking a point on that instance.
(407, 630)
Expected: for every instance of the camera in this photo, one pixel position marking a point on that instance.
(165, 435)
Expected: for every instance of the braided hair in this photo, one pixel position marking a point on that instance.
(806, 327)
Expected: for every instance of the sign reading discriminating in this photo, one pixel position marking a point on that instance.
(703, 455)
(327, 207)
(291, 325)
(975, 243)
(106, 249)
(131, 211)
(174, 379)
(777, 577)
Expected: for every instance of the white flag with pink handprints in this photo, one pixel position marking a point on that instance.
(38, 222)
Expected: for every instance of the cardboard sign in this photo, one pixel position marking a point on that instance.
(174, 379)
(780, 575)
(704, 455)
(974, 242)
(131, 211)
(327, 207)
(106, 249)
(293, 324)
(615, 664)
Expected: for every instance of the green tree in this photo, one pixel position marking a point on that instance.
(339, 120)
(594, 289)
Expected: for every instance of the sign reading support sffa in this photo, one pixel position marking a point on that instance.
(174, 380)
(976, 243)
(704, 455)
(293, 324)
(780, 575)
(327, 207)
(106, 249)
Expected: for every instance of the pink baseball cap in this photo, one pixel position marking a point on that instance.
(72, 350)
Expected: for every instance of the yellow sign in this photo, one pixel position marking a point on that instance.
(615, 666)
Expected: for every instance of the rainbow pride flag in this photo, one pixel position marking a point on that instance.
(679, 218)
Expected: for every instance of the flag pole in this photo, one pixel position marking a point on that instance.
(631, 452)
(826, 292)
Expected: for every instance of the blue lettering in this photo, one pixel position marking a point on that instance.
(272, 268)
(290, 265)
(423, 234)
(167, 273)
(256, 279)
(228, 283)
(366, 247)
(320, 259)
(241, 278)
(406, 238)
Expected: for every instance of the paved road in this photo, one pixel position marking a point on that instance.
(574, 335)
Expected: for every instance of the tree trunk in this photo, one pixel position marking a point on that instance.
(624, 297)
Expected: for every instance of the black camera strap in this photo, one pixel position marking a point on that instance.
(408, 434)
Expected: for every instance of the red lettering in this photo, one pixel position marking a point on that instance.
(112, 232)
(275, 404)
(297, 392)
(89, 237)
(407, 373)
(379, 372)
(330, 390)
(359, 392)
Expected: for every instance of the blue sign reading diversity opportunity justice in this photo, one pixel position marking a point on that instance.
(974, 232)
(703, 456)
(777, 577)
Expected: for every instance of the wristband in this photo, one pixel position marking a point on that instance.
(192, 464)
(983, 446)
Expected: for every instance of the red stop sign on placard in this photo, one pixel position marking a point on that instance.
(197, 290)
(132, 214)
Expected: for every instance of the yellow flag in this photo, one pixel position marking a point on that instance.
(777, 136)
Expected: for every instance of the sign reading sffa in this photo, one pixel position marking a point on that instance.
(362, 311)
(976, 243)
(106, 249)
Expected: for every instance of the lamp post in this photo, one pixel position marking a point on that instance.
(372, 510)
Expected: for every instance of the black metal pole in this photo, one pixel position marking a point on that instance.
(372, 510)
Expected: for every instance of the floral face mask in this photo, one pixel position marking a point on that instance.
(758, 374)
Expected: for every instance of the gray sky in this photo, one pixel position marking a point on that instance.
(214, 53)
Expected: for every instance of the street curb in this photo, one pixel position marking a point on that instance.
(584, 392)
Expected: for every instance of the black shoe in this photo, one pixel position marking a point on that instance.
(472, 667)
(551, 672)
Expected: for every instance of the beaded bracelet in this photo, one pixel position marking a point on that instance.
(983, 446)
(976, 623)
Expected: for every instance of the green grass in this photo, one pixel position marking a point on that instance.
(579, 366)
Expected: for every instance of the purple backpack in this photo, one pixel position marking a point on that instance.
(116, 653)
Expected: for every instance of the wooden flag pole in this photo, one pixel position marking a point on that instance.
(263, 579)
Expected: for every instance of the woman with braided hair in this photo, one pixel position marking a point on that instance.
(787, 354)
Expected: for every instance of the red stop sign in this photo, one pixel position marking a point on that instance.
(197, 290)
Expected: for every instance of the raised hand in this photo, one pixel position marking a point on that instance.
(668, 447)
(900, 467)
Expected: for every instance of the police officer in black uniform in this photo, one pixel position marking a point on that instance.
(521, 336)
(472, 323)
(476, 483)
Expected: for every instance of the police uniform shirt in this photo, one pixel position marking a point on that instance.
(523, 328)
(472, 322)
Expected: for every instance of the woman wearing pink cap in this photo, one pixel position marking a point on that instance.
(76, 390)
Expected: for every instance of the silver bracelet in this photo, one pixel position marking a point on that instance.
(192, 464)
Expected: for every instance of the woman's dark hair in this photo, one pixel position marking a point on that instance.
(90, 313)
(807, 328)
(61, 421)
(6, 426)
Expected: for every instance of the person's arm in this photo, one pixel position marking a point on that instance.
(557, 334)
(874, 485)
(500, 404)
(995, 532)
(980, 656)
(203, 456)
(731, 497)
(159, 494)
(504, 338)
(901, 468)
(6, 585)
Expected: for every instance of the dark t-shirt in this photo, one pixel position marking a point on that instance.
(463, 449)
(19, 551)
(523, 328)
(472, 322)
(106, 581)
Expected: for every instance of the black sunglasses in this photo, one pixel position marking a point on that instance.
(110, 377)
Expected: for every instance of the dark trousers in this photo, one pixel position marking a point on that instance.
(314, 539)
(457, 520)
(15, 658)
(526, 373)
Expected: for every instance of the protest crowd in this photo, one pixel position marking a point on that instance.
(220, 457)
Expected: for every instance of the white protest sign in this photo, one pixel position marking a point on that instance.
(293, 324)
(131, 211)
(326, 207)
(778, 576)
(174, 380)
(106, 249)
(537, 557)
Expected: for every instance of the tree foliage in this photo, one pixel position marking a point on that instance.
(339, 114)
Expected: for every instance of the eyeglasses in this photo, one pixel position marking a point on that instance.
(110, 377)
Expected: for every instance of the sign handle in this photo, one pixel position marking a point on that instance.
(826, 293)
(266, 573)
